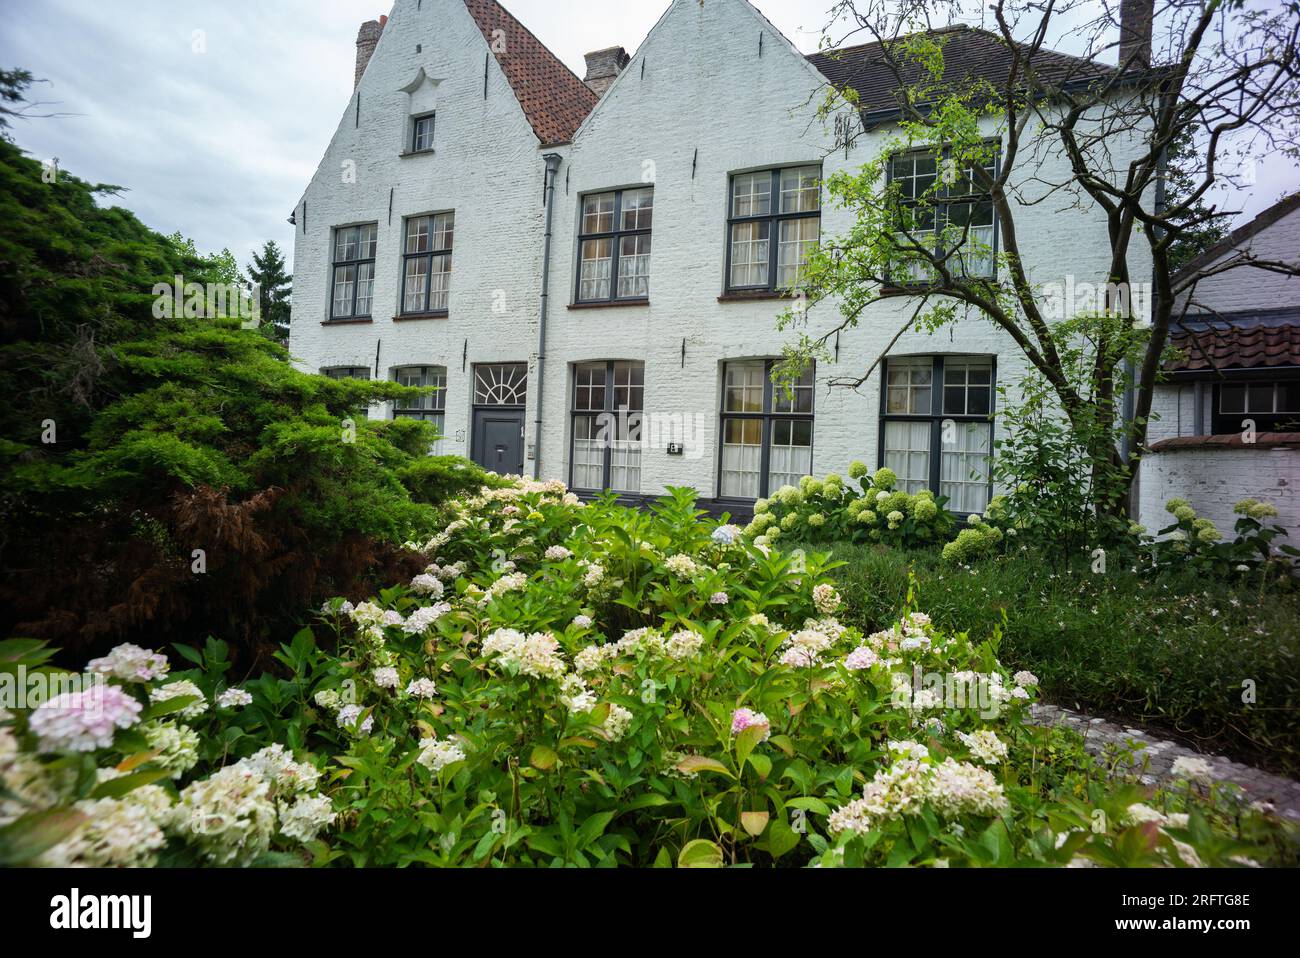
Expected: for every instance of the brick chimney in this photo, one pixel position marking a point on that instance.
(367, 40)
(1135, 21)
(603, 66)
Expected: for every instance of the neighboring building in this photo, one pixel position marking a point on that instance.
(681, 201)
(1229, 416)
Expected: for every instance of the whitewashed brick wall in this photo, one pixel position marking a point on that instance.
(696, 103)
(1214, 480)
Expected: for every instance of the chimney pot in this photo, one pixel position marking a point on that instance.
(603, 66)
(367, 39)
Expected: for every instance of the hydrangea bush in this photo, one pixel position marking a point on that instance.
(867, 507)
(1196, 541)
(585, 684)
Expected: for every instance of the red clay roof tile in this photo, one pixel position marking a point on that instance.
(553, 98)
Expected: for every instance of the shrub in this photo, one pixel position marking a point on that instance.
(831, 510)
(1195, 543)
(167, 477)
(589, 685)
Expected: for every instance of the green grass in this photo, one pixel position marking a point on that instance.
(1171, 653)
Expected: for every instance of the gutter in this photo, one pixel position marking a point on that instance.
(552, 168)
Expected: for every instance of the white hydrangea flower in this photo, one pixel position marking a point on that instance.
(233, 698)
(306, 817)
(386, 677)
(177, 746)
(131, 663)
(436, 754)
(349, 716)
(683, 644)
(229, 816)
(183, 688)
(985, 746)
(427, 584)
(422, 688)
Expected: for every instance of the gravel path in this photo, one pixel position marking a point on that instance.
(1159, 755)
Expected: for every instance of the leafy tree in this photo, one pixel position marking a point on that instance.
(166, 473)
(1224, 87)
(274, 286)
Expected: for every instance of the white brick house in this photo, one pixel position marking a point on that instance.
(674, 214)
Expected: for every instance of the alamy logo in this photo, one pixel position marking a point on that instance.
(75, 911)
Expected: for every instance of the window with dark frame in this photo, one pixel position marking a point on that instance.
(431, 407)
(353, 271)
(935, 429)
(767, 432)
(608, 405)
(422, 133)
(781, 204)
(614, 246)
(1273, 405)
(346, 372)
(426, 264)
(933, 197)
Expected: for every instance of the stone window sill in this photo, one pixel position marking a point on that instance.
(752, 295)
(410, 317)
(348, 322)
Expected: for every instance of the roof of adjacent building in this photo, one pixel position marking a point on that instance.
(1240, 236)
(553, 98)
(969, 55)
(1223, 345)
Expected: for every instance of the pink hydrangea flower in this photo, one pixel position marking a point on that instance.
(83, 721)
(742, 719)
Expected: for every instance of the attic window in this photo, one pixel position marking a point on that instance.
(422, 134)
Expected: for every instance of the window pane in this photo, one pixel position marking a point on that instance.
(368, 238)
(444, 227)
(589, 387)
(629, 387)
(634, 266)
(791, 454)
(417, 279)
(749, 254)
(588, 454)
(345, 245)
(1288, 397)
(597, 259)
(1232, 399)
(800, 192)
(417, 234)
(798, 237)
(967, 386)
(743, 386)
(440, 282)
(423, 134)
(344, 278)
(964, 467)
(638, 206)
(908, 390)
(742, 456)
(1259, 397)
(907, 453)
(800, 397)
(365, 287)
(598, 213)
(751, 194)
(501, 384)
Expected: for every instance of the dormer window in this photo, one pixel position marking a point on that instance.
(422, 134)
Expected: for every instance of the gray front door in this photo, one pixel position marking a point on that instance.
(499, 440)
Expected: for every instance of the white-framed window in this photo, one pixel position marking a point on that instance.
(767, 432)
(614, 245)
(936, 431)
(608, 406)
(431, 407)
(353, 286)
(426, 264)
(780, 203)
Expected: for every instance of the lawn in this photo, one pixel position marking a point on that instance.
(1178, 653)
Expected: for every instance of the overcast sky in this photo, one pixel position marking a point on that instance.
(220, 144)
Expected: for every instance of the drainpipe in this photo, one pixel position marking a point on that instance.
(552, 168)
